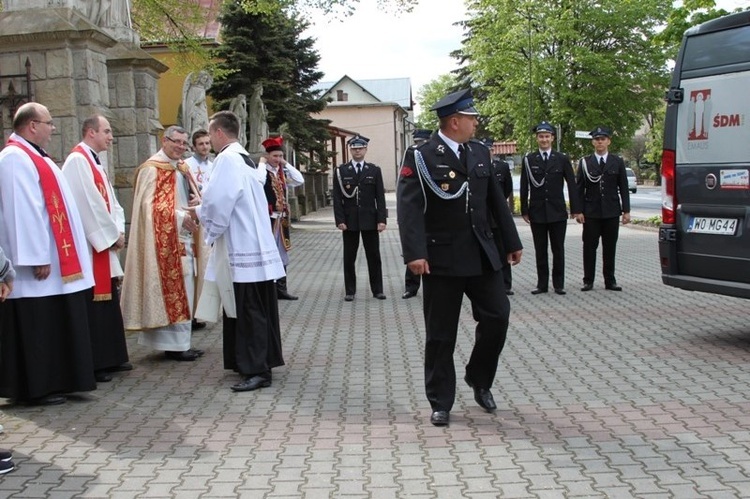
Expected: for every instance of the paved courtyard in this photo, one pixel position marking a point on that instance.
(643, 393)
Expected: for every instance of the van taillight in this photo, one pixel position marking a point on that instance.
(668, 199)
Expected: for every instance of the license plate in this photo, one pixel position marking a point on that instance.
(707, 225)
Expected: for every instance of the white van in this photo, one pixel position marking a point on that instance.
(704, 241)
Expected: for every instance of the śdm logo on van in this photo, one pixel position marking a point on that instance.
(699, 114)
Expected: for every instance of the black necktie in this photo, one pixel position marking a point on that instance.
(462, 155)
(601, 162)
(544, 155)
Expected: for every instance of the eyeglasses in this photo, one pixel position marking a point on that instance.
(178, 142)
(50, 122)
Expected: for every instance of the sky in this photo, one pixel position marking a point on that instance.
(377, 44)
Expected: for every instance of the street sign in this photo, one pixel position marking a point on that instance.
(582, 134)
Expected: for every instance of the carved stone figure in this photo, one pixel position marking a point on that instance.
(257, 117)
(194, 109)
(238, 106)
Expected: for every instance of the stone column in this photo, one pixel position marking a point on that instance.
(68, 68)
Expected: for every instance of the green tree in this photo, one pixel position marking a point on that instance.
(269, 49)
(575, 63)
(429, 94)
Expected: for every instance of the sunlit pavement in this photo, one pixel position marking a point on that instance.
(642, 393)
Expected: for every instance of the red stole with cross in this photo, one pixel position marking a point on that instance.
(70, 266)
(102, 270)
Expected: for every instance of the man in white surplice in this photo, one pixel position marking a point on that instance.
(234, 207)
(104, 223)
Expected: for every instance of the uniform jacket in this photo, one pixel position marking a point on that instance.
(359, 200)
(609, 197)
(454, 236)
(502, 172)
(546, 204)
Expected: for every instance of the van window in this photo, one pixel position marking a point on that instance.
(701, 51)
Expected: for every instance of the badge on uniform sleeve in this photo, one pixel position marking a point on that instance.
(451, 174)
(445, 187)
(440, 149)
(406, 172)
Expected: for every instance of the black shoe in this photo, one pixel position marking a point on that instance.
(379, 296)
(6, 467)
(283, 295)
(587, 287)
(195, 325)
(48, 400)
(408, 294)
(5, 455)
(482, 396)
(251, 383)
(102, 376)
(560, 291)
(125, 366)
(538, 291)
(349, 298)
(440, 418)
(509, 292)
(613, 287)
(186, 356)
(197, 352)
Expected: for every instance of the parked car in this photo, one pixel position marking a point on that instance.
(632, 181)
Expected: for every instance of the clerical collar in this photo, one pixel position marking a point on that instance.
(38, 149)
(94, 155)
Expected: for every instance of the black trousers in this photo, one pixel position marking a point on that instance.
(411, 281)
(608, 230)
(555, 232)
(252, 341)
(371, 242)
(442, 308)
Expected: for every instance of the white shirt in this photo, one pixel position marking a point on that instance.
(234, 205)
(25, 231)
(102, 227)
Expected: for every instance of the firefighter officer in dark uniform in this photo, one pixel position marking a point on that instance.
(503, 175)
(543, 173)
(603, 190)
(446, 195)
(412, 280)
(359, 210)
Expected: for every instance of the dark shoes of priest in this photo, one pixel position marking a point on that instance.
(612, 286)
(538, 291)
(197, 325)
(48, 400)
(560, 291)
(125, 366)
(283, 295)
(186, 356)
(102, 376)
(408, 294)
(251, 383)
(482, 396)
(440, 418)
(379, 296)
(587, 286)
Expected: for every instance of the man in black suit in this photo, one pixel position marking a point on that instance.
(446, 194)
(359, 209)
(412, 280)
(503, 175)
(603, 190)
(543, 206)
